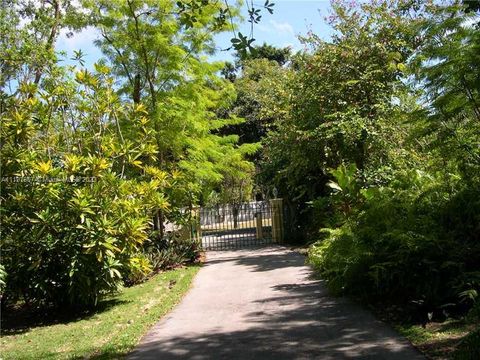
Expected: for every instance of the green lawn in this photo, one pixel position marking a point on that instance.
(109, 333)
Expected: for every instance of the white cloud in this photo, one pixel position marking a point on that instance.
(282, 27)
(263, 28)
(81, 40)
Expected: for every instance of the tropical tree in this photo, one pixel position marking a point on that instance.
(90, 156)
(342, 100)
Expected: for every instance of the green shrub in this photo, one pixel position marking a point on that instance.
(399, 247)
(66, 243)
(172, 251)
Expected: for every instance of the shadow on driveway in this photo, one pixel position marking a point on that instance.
(264, 304)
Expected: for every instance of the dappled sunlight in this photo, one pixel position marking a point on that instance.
(261, 304)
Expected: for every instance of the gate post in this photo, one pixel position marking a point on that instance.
(277, 220)
(259, 226)
(195, 226)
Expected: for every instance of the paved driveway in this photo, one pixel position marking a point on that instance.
(263, 304)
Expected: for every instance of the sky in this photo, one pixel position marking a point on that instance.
(289, 19)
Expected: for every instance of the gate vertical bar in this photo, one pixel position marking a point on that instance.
(259, 227)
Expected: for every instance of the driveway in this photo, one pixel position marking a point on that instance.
(263, 304)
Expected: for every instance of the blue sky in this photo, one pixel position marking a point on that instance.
(290, 19)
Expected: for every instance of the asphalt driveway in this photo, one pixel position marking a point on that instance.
(264, 304)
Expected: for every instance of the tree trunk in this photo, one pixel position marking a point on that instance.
(158, 225)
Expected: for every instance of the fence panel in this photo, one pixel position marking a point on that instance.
(233, 226)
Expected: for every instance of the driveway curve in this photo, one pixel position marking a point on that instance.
(264, 304)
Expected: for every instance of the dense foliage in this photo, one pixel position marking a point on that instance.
(373, 140)
(411, 236)
(95, 162)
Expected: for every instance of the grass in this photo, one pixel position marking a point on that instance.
(108, 333)
(451, 339)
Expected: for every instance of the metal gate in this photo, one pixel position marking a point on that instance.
(234, 226)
